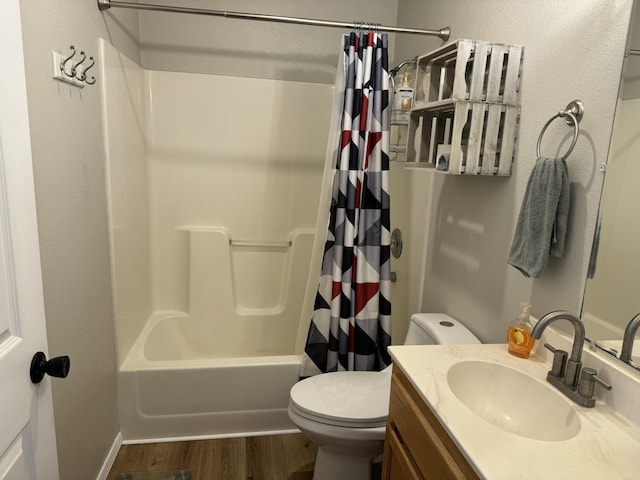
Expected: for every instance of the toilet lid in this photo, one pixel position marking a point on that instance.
(358, 399)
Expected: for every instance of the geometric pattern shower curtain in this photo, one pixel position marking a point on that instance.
(351, 324)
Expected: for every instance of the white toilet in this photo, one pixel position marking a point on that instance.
(344, 413)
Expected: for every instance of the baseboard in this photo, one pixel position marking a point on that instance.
(189, 438)
(111, 457)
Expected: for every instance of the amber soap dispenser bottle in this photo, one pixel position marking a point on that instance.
(519, 334)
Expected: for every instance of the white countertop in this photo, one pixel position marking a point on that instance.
(607, 446)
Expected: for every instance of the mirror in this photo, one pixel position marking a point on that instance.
(612, 294)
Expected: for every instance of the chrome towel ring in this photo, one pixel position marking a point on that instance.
(574, 112)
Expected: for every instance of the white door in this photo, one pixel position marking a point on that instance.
(27, 437)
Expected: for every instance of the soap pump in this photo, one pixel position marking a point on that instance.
(406, 93)
(403, 95)
(519, 333)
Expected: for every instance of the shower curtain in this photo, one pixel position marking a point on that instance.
(351, 324)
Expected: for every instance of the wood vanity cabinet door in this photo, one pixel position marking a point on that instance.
(396, 462)
(414, 430)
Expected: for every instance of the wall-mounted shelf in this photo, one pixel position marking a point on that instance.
(465, 112)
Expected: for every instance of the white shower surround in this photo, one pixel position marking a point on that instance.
(214, 184)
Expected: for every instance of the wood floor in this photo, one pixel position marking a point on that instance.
(275, 457)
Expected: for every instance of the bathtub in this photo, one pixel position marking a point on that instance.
(167, 391)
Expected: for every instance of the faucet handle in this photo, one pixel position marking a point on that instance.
(559, 361)
(588, 381)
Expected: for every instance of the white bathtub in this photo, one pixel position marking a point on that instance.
(168, 391)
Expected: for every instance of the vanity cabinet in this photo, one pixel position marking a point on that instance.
(416, 445)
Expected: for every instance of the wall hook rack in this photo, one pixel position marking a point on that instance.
(72, 70)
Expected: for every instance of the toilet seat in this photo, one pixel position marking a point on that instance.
(344, 399)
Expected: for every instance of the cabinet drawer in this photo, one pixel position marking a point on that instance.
(428, 444)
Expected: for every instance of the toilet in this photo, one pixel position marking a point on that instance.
(345, 413)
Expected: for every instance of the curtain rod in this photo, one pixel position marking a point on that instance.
(443, 33)
(633, 51)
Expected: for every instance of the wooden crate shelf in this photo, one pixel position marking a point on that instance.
(465, 115)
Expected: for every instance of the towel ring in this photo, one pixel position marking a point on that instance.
(575, 111)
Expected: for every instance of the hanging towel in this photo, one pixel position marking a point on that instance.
(595, 247)
(542, 224)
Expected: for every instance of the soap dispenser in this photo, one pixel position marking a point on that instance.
(403, 96)
(519, 333)
(402, 100)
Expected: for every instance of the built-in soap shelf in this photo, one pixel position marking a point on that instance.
(465, 113)
(241, 278)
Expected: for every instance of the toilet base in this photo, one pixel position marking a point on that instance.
(343, 453)
(332, 464)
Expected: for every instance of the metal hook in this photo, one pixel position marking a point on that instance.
(64, 62)
(74, 68)
(93, 79)
(83, 74)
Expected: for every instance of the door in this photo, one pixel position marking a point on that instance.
(27, 437)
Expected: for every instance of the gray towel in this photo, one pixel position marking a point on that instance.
(542, 224)
(593, 258)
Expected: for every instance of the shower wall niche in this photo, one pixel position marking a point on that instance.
(214, 184)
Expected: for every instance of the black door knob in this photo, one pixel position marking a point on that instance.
(56, 367)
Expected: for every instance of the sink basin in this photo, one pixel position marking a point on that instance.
(514, 401)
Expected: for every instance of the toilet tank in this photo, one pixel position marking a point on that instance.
(437, 329)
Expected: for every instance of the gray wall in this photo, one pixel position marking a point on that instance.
(631, 85)
(223, 46)
(68, 162)
(572, 50)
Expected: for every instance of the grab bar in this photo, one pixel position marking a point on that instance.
(239, 243)
(260, 243)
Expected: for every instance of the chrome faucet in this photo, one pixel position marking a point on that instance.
(565, 374)
(629, 336)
